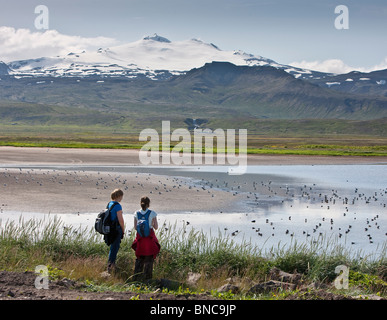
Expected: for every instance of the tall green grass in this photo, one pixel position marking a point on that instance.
(26, 242)
(186, 250)
(81, 253)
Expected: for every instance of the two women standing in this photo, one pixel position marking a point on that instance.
(146, 248)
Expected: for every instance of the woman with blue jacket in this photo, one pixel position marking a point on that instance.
(114, 240)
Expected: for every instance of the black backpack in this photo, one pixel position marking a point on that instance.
(104, 224)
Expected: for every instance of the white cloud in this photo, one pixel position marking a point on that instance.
(18, 44)
(331, 66)
(336, 66)
(382, 65)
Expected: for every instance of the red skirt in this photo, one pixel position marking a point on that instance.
(148, 246)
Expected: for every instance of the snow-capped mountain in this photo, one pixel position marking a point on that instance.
(154, 57)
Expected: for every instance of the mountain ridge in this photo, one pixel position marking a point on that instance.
(218, 89)
(4, 69)
(268, 92)
(370, 83)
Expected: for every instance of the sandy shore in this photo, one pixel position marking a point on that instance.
(24, 190)
(68, 191)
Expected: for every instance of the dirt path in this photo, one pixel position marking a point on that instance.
(21, 286)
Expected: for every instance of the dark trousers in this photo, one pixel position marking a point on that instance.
(114, 247)
(143, 268)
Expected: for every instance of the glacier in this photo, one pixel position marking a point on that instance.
(154, 57)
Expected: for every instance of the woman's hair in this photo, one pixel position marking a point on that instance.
(145, 202)
(116, 194)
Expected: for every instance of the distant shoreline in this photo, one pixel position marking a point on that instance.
(94, 156)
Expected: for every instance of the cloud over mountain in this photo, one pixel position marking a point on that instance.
(19, 44)
(336, 66)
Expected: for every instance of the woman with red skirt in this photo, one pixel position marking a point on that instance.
(146, 248)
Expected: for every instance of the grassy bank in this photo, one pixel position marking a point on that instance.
(331, 137)
(81, 254)
(264, 146)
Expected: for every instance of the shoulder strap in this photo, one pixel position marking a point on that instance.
(145, 215)
(107, 207)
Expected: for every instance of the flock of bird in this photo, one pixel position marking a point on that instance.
(339, 211)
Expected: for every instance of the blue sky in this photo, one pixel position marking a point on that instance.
(283, 30)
